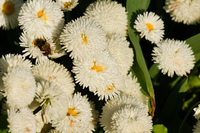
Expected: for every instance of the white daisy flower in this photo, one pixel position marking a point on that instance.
(19, 87)
(67, 5)
(36, 47)
(100, 74)
(151, 26)
(53, 101)
(83, 37)
(9, 13)
(116, 104)
(112, 90)
(196, 127)
(112, 16)
(40, 48)
(131, 120)
(185, 11)
(174, 56)
(45, 19)
(118, 46)
(133, 88)
(197, 112)
(78, 116)
(21, 121)
(10, 61)
(51, 71)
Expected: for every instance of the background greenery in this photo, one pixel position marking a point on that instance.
(172, 99)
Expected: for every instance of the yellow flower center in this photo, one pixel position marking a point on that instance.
(27, 130)
(8, 8)
(67, 4)
(149, 26)
(97, 68)
(41, 14)
(72, 112)
(84, 38)
(110, 87)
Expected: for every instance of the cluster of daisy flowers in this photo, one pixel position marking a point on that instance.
(183, 11)
(172, 56)
(39, 95)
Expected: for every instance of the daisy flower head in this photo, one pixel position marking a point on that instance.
(174, 56)
(151, 26)
(67, 5)
(116, 104)
(41, 18)
(10, 61)
(9, 13)
(38, 48)
(112, 90)
(19, 87)
(118, 46)
(100, 74)
(132, 88)
(78, 116)
(183, 11)
(131, 120)
(51, 71)
(21, 121)
(83, 37)
(111, 15)
(53, 101)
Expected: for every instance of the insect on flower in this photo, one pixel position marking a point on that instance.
(43, 45)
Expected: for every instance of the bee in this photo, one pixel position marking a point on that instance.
(43, 45)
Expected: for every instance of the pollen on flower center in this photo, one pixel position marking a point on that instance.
(67, 4)
(149, 26)
(110, 87)
(41, 14)
(27, 130)
(84, 38)
(72, 112)
(8, 8)
(97, 68)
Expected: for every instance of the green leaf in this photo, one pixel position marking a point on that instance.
(159, 128)
(194, 77)
(194, 43)
(4, 131)
(153, 71)
(173, 102)
(139, 67)
(184, 87)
